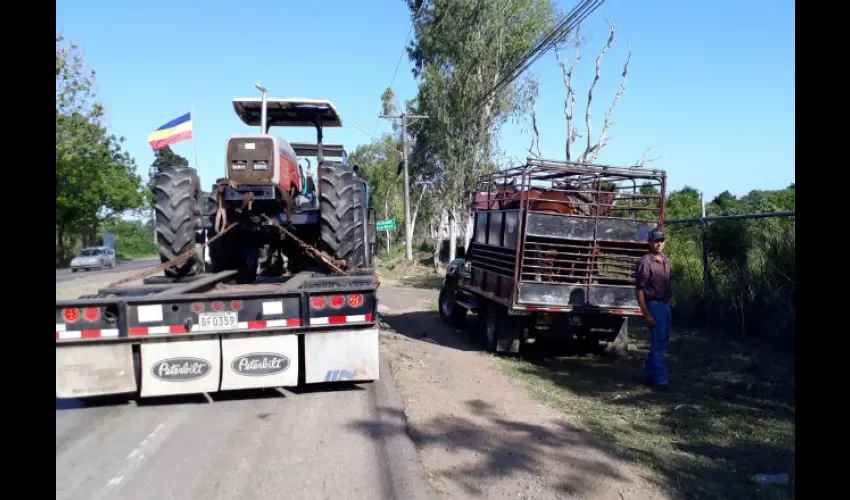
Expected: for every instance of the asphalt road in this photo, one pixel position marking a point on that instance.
(331, 441)
(63, 275)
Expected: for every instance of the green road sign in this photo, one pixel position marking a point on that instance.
(385, 225)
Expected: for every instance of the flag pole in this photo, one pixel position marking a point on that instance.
(195, 136)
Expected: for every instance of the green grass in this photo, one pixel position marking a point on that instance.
(730, 413)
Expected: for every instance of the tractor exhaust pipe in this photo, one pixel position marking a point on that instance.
(263, 115)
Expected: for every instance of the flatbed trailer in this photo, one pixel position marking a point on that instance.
(553, 254)
(204, 334)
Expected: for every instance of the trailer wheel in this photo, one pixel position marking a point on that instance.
(450, 312)
(342, 210)
(178, 190)
(492, 318)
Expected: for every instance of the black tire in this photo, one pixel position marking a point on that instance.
(177, 191)
(342, 212)
(450, 312)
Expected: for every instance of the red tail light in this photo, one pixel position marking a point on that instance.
(236, 305)
(218, 306)
(91, 313)
(355, 300)
(71, 314)
(337, 301)
(317, 302)
(198, 307)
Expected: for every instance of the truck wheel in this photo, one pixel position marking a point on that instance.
(177, 192)
(450, 312)
(619, 347)
(342, 213)
(491, 327)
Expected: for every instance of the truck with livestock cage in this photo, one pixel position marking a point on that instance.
(239, 322)
(552, 256)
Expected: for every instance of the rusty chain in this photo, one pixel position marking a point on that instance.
(310, 250)
(176, 261)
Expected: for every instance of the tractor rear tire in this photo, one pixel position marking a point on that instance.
(177, 190)
(342, 212)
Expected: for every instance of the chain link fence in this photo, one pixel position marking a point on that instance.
(736, 274)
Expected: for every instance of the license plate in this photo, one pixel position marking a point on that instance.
(217, 321)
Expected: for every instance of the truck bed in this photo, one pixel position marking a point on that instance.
(204, 335)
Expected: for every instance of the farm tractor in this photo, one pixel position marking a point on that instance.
(289, 214)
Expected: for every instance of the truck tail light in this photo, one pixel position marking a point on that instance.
(71, 314)
(91, 314)
(337, 301)
(317, 302)
(355, 300)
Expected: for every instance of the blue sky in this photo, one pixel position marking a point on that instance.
(711, 84)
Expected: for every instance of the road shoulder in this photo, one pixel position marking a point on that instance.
(478, 431)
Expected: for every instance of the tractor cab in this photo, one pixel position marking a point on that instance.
(267, 166)
(308, 166)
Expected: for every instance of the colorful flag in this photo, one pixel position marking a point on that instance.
(178, 129)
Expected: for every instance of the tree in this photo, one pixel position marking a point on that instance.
(95, 179)
(461, 49)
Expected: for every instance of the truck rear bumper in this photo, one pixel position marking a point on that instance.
(206, 364)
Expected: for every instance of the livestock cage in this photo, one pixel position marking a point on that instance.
(563, 234)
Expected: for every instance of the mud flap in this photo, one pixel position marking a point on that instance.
(251, 361)
(94, 370)
(180, 366)
(340, 356)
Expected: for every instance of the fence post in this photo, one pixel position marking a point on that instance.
(706, 266)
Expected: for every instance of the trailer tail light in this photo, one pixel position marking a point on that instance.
(236, 305)
(261, 165)
(355, 300)
(317, 302)
(91, 313)
(218, 306)
(239, 165)
(337, 301)
(71, 314)
(198, 307)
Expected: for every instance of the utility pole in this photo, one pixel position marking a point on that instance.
(408, 234)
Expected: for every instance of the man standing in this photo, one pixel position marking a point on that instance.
(655, 297)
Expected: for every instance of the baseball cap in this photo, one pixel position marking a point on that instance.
(656, 234)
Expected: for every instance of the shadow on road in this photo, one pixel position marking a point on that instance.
(517, 449)
(426, 326)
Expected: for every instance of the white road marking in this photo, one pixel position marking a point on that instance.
(136, 457)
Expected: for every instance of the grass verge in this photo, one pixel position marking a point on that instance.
(730, 413)
(413, 274)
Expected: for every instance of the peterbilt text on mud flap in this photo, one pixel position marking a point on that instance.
(195, 332)
(553, 255)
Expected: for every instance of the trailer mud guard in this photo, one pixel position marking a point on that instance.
(180, 366)
(341, 356)
(94, 370)
(251, 361)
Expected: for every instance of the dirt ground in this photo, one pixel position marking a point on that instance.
(480, 434)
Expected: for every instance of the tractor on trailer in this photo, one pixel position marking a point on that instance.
(193, 330)
(553, 254)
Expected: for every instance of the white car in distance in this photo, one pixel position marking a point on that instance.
(94, 258)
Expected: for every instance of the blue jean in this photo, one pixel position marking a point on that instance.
(655, 367)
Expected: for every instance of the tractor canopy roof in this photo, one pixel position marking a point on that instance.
(312, 149)
(289, 112)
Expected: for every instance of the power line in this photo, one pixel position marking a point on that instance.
(403, 50)
(563, 28)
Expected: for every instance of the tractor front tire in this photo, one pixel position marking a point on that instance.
(342, 211)
(177, 191)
